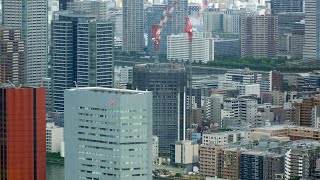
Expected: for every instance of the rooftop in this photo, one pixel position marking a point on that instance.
(108, 90)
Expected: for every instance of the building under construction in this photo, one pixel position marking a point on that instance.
(168, 83)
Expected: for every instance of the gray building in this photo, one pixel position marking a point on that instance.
(227, 48)
(311, 49)
(82, 53)
(167, 82)
(259, 36)
(31, 17)
(100, 8)
(282, 6)
(108, 134)
(133, 37)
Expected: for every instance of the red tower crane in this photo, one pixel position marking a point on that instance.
(156, 29)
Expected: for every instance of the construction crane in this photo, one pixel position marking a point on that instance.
(157, 29)
(189, 31)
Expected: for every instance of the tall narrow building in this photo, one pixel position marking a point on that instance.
(12, 56)
(23, 134)
(167, 82)
(108, 134)
(311, 49)
(31, 17)
(82, 54)
(133, 24)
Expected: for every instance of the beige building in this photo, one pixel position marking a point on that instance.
(186, 154)
(210, 159)
(224, 138)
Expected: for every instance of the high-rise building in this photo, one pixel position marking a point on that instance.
(176, 23)
(12, 56)
(23, 134)
(167, 82)
(259, 36)
(100, 8)
(311, 49)
(31, 17)
(82, 54)
(108, 134)
(54, 137)
(133, 24)
(230, 163)
(283, 6)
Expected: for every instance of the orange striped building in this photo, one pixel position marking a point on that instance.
(23, 134)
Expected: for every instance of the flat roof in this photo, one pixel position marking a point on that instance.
(106, 90)
(282, 127)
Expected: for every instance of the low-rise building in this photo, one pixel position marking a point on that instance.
(54, 137)
(186, 154)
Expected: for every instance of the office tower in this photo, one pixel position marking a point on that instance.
(82, 53)
(12, 56)
(133, 24)
(167, 82)
(311, 48)
(108, 134)
(47, 83)
(100, 8)
(226, 48)
(276, 80)
(259, 36)
(31, 17)
(283, 6)
(23, 134)
(202, 47)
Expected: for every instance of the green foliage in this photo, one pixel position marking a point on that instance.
(259, 64)
(295, 178)
(178, 175)
(55, 158)
(219, 174)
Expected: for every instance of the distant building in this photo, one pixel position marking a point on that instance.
(32, 18)
(249, 89)
(99, 8)
(23, 133)
(276, 81)
(300, 159)
(54, 137)
(223, 138)
(167, 82)
(186, 154)
(260, 165)
(133, 38)
(259, 36)
(243, 76)
(283, 6)
(227, 48)
(202, 47)
(230, 167)
(108, 134)
(210, 159)
(83, 64)
(311, 49)
(12, 56)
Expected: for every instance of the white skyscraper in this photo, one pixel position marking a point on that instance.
(31, 17)
(108, 134)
